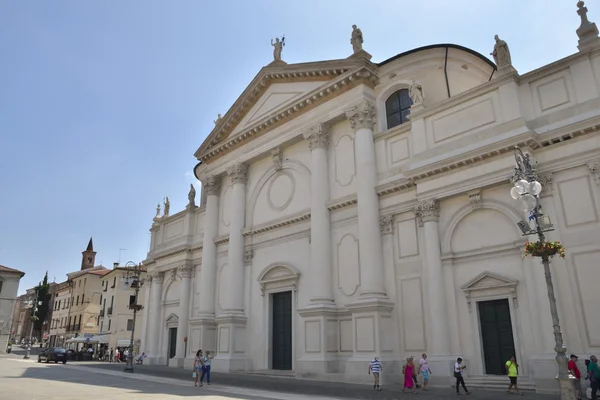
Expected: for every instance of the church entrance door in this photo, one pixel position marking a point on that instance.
(172, 342)
(282, 331)
(496, 334)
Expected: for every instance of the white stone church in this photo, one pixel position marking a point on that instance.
(353, 209)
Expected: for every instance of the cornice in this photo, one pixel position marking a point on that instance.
(269, 226)
(343, 202)
(556, 66)
(365, 74)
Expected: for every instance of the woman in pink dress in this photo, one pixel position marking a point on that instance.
(408, 371)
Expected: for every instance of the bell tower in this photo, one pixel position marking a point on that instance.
(89, 256)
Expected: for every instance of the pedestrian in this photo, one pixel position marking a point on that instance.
(198, 368)
(424, 370)
(512, 370)
(458, 375)
(111, 355)
(117, 355)
(408, 370)
(574, 370)
(594, 372)
(375, 368)
(206, 368)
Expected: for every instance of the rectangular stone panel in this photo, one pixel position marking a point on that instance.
(312, 336)
(464, 120)
(365, 333)
(578, 204)
(406, 234)
(346, 335)
(586, 269)
(413, 324)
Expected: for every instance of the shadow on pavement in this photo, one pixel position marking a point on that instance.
(76, 376)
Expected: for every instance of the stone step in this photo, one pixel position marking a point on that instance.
(495, 382)
(269, 372)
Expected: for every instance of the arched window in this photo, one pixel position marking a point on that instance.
(397, 108)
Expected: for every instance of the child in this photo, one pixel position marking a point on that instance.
(375, 368)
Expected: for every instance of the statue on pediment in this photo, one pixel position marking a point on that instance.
(219, 117)
(167, 208)
(157, 211)
(356, 40)
(501, 53)
(192, 196)
(278, 48)
(415, 91)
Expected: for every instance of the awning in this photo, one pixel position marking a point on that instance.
(99, 339)
(123, 342)
(77, 340)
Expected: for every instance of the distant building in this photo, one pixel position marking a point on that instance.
(116, 318)
(9, 287)
(60, 313)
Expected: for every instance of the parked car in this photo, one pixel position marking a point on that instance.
(55, 354)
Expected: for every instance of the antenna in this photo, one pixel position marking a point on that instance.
(120, 250)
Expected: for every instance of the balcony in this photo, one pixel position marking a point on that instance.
(76, 327)
(109, 311)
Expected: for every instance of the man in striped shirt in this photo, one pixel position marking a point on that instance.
(375, 368)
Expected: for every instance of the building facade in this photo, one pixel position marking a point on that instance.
(352, 209)
(116, 317)
(9, 288)
(60, 314)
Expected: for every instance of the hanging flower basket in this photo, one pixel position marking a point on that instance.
(548, 249)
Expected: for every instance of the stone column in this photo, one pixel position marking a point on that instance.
(321, 310)
(155, 327)
(234, 303)
(184, 313)
(428, 213)
(146, 320)
(211, 188)
(320, 222)
(232, 322)
(362, 119)
(208, 274)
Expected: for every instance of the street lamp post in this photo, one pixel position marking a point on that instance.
(133, 275)
(526, 189)
(34, 307)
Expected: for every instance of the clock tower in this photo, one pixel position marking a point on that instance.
(89, 256)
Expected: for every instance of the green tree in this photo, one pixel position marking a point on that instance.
(43, 294)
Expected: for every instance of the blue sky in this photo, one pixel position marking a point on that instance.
(103, 103)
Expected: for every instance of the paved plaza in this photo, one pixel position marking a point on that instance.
(27, 380)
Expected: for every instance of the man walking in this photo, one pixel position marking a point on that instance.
(375, 368)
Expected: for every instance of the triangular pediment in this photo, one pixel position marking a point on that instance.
(172, 319)
(488, 280)
(279, 92)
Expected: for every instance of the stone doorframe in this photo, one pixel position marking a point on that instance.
(485, 287)
(277, 278)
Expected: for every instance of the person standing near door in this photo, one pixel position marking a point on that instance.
(512, 369)
(458, 375)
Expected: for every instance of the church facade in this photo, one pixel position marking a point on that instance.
(352, 209)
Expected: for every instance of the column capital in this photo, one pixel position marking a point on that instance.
(186, 271)
(158, 278)
(238, 172)
(362, 116)
(546, 180)
(594, 167)
(212, 185)
(317, 136)
(426, 211)
(386, 224)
